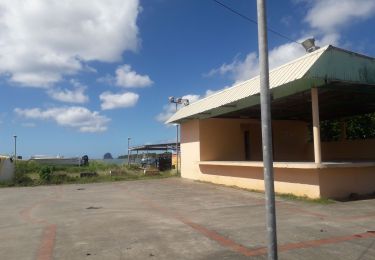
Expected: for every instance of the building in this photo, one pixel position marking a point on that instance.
(6, 168)
(221, 134)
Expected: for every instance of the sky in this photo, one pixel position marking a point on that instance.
(80, 77)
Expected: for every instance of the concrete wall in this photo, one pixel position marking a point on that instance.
(299, 182)
(341, 182)
(222, 140)
(190, 149)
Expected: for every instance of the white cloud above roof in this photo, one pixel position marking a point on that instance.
(122, 100)
(331, 15)
(126, 77)
(241, 70)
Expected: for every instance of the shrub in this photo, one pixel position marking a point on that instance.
(45, 173)
(25, 167)
(132, 167)
(23, 180)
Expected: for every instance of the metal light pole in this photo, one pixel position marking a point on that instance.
(176, 144)
(178, 101)
(15, 149)
(266, 131)
(129, 150)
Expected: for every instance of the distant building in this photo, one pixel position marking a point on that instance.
(221, 134)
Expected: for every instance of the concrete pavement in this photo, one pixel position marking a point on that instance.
(174, 219)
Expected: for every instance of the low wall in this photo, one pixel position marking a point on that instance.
(312, 181)
(341, 182)
(301, 182)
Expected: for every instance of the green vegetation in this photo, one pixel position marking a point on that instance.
(30, 173)
(357, 127)
(289, 196)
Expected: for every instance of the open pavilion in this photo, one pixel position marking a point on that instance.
(221, 134)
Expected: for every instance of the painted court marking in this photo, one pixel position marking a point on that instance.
(45, 250)
(47, 242)
(241, 249)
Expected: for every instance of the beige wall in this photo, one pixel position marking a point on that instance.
(340, 182)
(222, 140)
(190, 149)
(299, 182)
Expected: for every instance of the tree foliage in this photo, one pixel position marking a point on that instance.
(357, 127)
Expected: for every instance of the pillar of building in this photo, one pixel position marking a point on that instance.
(316, 125)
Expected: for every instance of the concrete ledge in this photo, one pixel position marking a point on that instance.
(290, 165)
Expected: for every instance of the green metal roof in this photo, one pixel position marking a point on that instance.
(316, 69)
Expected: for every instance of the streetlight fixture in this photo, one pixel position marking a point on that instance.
(15, 148)
(129, 150)
(178, 101)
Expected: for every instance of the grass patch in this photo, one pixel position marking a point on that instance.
(29, 173)
(289, 196)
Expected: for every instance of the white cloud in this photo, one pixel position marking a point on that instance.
(112, 101)
(331, 15)
(241, 70)
(77, 95)
(43, 41)
(128, 78)
(76, 117)
(170, 109)
(191, 97)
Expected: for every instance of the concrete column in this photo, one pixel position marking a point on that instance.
(316, 125)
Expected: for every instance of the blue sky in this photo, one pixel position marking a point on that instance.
(79, 77)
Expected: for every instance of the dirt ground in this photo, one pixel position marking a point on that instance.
(175, 219)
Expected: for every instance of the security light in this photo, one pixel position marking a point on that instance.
(179, 101)
(309, 45)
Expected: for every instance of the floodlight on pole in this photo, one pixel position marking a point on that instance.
(178, 101)
(15, 148)
(309, 45)
(129, 150)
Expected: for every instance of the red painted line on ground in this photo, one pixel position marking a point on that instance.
(45, 251)
(213, 235)
(236, 247)
(47, 242)
(325, 241)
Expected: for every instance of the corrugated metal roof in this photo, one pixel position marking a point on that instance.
(287, 74)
